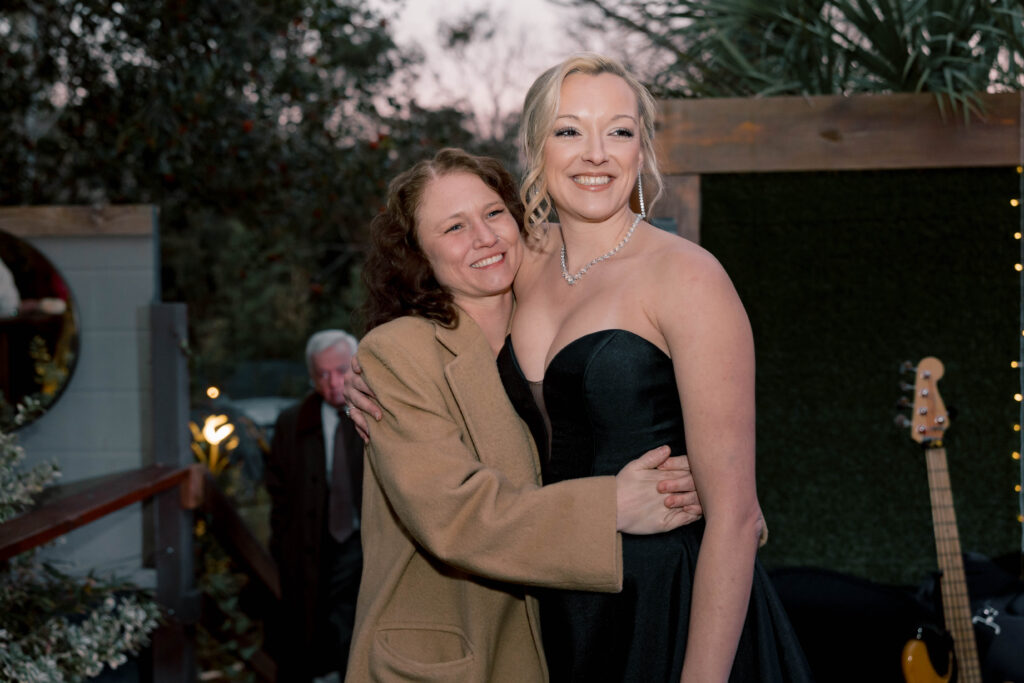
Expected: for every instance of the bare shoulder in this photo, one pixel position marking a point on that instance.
(694, 298)
(678, 262)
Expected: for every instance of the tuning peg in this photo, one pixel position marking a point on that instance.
(904, 386)
(902, 421)
(907, 367)
(904, 402)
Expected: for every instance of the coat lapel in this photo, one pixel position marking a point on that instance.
(493, 425)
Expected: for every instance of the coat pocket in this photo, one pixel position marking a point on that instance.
(426, 652)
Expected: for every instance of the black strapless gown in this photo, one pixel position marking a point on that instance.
(610, 396)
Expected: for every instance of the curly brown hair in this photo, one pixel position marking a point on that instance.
(397, 275)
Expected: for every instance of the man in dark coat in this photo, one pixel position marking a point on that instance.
(314, 476)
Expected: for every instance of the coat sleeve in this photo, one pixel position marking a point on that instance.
(465, 513)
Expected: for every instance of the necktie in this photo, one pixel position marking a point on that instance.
(340, 508)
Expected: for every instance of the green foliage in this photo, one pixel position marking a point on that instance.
(265, 133)
(231, 631)
(55, 627)
(228, 637)
(758, 47)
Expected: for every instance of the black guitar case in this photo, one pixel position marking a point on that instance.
(854, 630)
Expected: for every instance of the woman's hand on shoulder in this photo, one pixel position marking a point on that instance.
(384, 341)
(361, 403)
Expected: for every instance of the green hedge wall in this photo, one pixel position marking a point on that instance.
(844, 276)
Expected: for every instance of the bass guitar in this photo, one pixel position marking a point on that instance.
(928, 424)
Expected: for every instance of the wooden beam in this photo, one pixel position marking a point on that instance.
(59, 516)
(63, 221)
(885, 131)
(237, 539)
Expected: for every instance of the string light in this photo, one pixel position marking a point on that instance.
(1015, 203)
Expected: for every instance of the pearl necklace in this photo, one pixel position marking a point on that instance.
(573, 279)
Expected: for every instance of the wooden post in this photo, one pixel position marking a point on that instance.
(680, 204)
(174, 658)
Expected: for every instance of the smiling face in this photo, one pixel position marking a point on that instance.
(469, 237)
(593, 154)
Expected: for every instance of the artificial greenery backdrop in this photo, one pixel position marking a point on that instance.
(845, 276)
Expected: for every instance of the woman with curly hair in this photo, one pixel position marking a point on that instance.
(455, 522)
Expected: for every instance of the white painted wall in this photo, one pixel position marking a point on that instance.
(101, 423)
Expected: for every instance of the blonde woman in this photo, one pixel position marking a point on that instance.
(623, 334)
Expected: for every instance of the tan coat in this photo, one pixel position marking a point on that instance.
(455, 521)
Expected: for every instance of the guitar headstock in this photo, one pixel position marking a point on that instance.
(928, 416)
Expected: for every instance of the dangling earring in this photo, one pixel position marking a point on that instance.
(640, 193)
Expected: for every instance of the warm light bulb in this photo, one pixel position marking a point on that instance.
(1016, 428)
(1017, 488)
(1016, 235)
(1014, 202)
(212, 392)
(217, 428)
(1014, 364)
(1017, 398)
(1018, 267)
(1020, 169)
(1015, 455)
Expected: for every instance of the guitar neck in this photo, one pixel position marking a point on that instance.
(956, 605)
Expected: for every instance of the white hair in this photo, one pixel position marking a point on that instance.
(328, 339)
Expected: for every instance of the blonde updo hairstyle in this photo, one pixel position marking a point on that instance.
(539, 112)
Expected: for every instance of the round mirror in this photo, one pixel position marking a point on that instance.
(38, 333)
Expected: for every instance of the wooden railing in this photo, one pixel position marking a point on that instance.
(176, 488)
(196, 490)
(69, 512)
(244, 549)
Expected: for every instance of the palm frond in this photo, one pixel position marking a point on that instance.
(953, 48)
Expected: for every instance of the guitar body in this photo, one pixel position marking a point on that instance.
(997, 615)
(921, 653)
